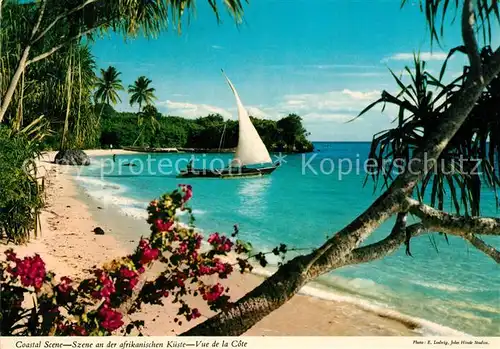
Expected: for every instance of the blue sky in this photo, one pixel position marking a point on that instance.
(324, 60)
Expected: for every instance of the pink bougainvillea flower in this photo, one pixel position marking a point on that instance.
(110, 319)
(147, 254)
(30, 270)
(164, 226)
(188, 192)
(213, 293)
(65, 286)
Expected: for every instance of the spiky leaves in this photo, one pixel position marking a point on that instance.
(108, 85)
(467, 163)
(141, 93)
(439, 12)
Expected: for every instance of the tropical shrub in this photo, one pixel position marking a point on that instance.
(21, 195)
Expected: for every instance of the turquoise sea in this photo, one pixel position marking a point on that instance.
(300, 204)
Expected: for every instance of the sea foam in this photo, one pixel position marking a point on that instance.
(423, 327)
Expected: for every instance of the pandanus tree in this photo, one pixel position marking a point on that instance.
(428, 129)
(456, 122)
(471, 154)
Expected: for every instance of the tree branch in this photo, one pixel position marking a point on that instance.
(61, 16)
(384, 247)
(39, 20)
(464, 227)
(469, 38)
(350, 237)
(484, 247)
(493, 68)
(58, 47)
(454, 224)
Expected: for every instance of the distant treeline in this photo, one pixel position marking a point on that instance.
(120, 129)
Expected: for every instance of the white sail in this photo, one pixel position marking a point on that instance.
(251, 150)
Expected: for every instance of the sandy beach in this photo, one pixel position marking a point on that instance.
(69, 247)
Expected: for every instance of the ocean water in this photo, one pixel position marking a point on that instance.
(308, 198)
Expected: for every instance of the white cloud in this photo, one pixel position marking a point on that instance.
(340, 102)
(217, 47)
(259, 112)
(324, 114)
(328, 117)
(362, 95)
(340, 66)
(425, 56)
(363, 74)
(192, 110)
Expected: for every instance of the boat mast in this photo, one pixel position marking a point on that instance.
(222, 136)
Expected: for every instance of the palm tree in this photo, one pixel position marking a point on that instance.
(84, 20)
(141, 93)
(147, 117)
(108, 85)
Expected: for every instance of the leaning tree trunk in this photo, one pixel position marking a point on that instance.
(64, 138)
(7, 99)
(19, 116)
(139, 136)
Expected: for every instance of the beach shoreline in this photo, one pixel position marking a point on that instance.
(69, 247)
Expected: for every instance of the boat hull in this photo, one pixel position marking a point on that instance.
(227, 173)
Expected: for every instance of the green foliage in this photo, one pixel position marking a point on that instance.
(108, 85)
(471, 158)
(120, 129)
(147, 119)
(141, 93)
(43, 89)
(96, 305)
(438, 11)
(60, 68)
(292, 132)
(21, 196)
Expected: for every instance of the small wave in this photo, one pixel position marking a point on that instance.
(110, 194)
(134, 212)
(476, 306)
(422, 326)
(359, 283)
(95, 182)
(195, 212)
(111, 198)
(444, 287)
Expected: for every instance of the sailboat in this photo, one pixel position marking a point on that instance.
(251, 157)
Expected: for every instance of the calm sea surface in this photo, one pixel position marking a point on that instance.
(300, 204)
